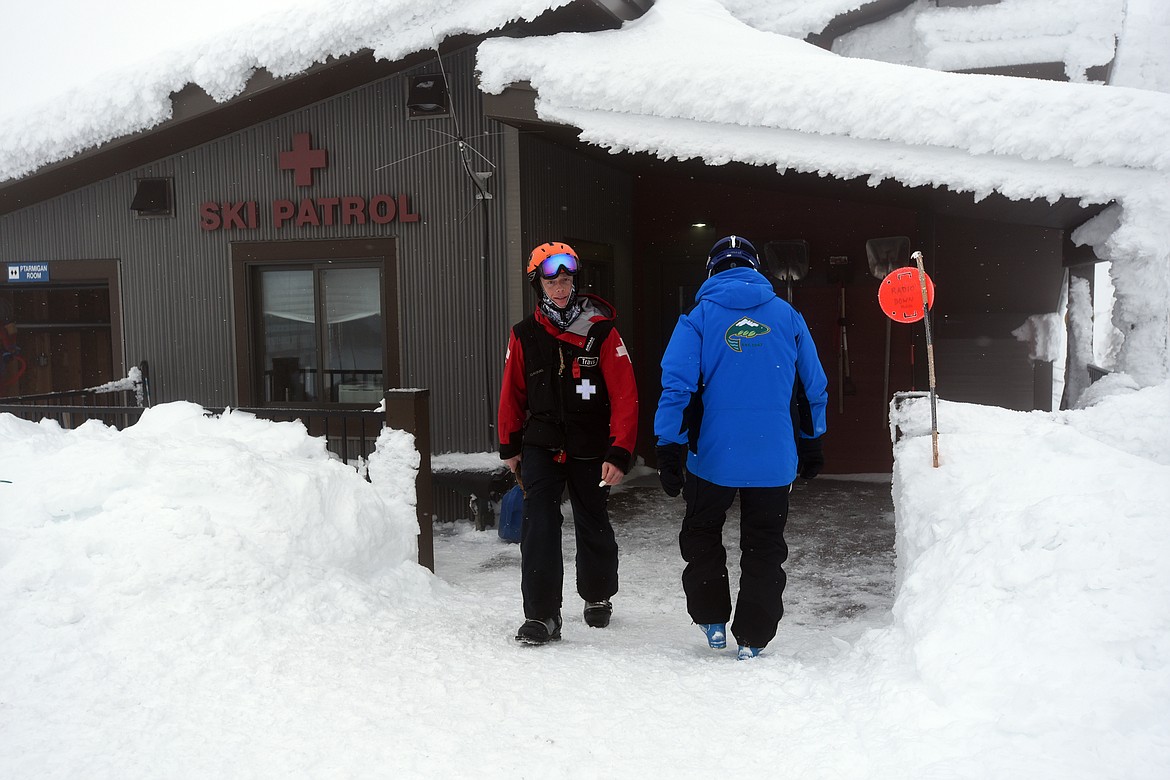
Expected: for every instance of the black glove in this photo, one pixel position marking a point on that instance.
(671, 458)
(810, 458)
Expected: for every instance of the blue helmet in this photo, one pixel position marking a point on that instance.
(732, 252)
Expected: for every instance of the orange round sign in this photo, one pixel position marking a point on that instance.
(900, 295)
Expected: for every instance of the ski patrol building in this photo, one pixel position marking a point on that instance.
(361, 225)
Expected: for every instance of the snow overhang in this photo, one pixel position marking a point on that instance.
(131, 119)
(516, 107)
(689, 82)
(195, 118)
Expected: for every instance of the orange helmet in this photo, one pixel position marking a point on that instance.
(550, 259)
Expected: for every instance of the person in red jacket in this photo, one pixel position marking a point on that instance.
(569, 414)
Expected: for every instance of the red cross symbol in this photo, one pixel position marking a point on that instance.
(302, 160)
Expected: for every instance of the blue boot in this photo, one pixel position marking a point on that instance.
(746, 652)
(716, 634)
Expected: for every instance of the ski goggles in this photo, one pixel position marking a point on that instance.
(553, 264)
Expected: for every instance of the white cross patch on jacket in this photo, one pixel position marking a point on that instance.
(585, 389)
(622, 351)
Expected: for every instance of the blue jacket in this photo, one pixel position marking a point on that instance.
(740, 350)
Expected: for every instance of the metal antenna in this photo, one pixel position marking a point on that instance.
(479, 180)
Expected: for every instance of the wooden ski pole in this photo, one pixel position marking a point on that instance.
(917, 257)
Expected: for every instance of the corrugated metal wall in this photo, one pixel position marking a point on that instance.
(567, 195)
(177, 296)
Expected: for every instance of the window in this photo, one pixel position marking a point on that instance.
(317, 328)
(321, 334)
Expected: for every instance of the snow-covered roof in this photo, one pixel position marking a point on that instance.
(688, 56)
(794, 18)
(1080, 36)
(91, 101)
(829, 114)
(691, 80)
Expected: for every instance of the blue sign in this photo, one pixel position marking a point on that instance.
(28, 272)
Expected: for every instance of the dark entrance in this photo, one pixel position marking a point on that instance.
(63, 333)
(676, 220)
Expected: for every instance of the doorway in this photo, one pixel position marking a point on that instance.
(60, 327)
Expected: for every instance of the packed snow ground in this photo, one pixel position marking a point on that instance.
(199, 597)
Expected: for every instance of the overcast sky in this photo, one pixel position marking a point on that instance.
(64, 38)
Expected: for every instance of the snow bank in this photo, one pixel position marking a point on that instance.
(1020, 604)
(251, 515)
(218, 597)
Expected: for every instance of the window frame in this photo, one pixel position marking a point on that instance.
(250, 257)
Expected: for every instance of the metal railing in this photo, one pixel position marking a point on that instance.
(349, 433)
(72, 416)
(118, 404)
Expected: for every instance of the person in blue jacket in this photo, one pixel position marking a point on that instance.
(731, 375)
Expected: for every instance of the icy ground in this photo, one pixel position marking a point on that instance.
(840, 567)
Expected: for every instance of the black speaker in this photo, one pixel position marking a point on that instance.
(152, 198)
(427, 96)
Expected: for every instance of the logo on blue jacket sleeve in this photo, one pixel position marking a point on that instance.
(744, 328)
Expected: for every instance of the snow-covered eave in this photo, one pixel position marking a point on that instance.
(795, 86)
(41, 167)
(846, 158)
(126, 118)
(1133, 232)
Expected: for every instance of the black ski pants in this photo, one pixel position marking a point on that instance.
(763, 514)
(541, 559)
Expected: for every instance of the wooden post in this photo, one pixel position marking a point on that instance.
(409, 410)
(917, 256)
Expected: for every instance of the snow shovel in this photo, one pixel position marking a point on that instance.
(884, 255)
(840, 272)
(786, 261)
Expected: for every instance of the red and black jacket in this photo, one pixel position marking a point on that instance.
(570, 390)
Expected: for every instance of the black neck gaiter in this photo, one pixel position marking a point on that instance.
(562, 318)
